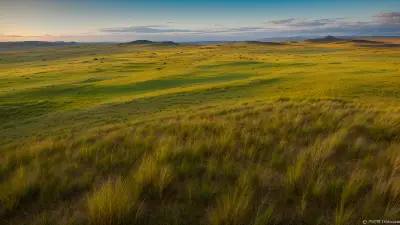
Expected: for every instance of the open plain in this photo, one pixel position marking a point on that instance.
(237, 133)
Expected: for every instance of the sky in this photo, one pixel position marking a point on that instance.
(197, 20)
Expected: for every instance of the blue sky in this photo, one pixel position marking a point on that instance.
(178, 20)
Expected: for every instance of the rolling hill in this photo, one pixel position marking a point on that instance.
(265, 43)
(327, 39)
(147, 42)
(23, 44)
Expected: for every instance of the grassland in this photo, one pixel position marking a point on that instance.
(393, 40)
(217, 134)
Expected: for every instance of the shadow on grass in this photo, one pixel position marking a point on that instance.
(257, 64)
(87, 89)
(74, 120)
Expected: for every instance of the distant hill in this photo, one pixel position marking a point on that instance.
(385, 39)
(362, 41)
(147, 42)
(165, 43)
(286, 39)
(139, 42)
(207, 42)
(265, 43)
(327, 39)
(20, 44)
(385, 45)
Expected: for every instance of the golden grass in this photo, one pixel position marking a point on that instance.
(19, 186)
(112, 203)
(233, 207)
(230, 134)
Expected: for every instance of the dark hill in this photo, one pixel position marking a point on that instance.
(360, 41)
(385, 45)
(147, 42)
(165, 43)
(327, 39)
(264, 43)
(20, 44)
(139, 42)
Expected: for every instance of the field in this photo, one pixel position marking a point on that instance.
(393, 40)
(239, 133)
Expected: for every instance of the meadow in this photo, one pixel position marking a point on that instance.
(230, 134)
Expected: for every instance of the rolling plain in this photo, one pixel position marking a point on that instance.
(237, 133)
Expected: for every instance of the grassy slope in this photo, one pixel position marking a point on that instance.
(393, 40)
(230, 134)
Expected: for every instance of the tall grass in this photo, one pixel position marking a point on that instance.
(233, 207)
(214, 166)
(20, 185)
(229, 134)
(115, 202)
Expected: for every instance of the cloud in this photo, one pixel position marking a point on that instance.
(284, 21)
(16, 37)
(245, 29)
(313, 23)
(143, 29)
(389, 17)
(380, 24)
(361, 28)
(13, 36)
(155, 29)
(217, 25)
(292, 22)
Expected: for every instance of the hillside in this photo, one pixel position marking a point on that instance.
(286, 39)
(147, 42)
(264, 43)
(327, 39)
(139, 42)
(385, 39)
(371, 43)
(362, 41)
(228, 134)
(34, 44)
(165, 43)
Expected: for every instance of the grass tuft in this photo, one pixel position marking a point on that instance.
(233, 207)
(113, 203)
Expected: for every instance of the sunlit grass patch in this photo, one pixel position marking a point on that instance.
(115, 202)
(233, 207)
(153, 178)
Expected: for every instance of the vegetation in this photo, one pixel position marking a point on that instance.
(237, 134)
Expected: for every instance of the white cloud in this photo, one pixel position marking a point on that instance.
(379, 24)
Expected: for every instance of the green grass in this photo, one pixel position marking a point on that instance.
(112, 203)
(219, 134)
